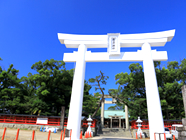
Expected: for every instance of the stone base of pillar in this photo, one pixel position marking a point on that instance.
(182, 130)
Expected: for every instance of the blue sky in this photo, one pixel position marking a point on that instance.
(28, 29)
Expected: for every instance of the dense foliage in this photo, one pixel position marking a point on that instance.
(131, 90)
(46, 91)
(43, 93)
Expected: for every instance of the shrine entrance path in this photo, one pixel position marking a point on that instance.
(110, 138)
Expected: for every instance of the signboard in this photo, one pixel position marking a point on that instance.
(113, 44)
(42, 121)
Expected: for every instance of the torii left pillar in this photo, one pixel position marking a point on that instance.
(77, 94)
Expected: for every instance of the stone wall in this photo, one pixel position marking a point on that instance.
(182, 130)
(143, 130)
(36, 127)
(24, 126)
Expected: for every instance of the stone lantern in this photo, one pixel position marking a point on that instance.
(89, 125)
(139, 132)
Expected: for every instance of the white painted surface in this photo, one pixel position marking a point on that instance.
(139, 132)
(75, 111)
(101, 41)
(155, 118)
(102, 113)
(126, 117)
(108, 102)
(124, 56)
(126, 40)
(42, 121)
(113, 44)
(89, 126)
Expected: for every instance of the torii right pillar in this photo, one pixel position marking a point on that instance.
(155, 118)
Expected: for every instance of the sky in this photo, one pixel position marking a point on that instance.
(28, 30)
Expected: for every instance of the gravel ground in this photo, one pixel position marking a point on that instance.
(27, 135)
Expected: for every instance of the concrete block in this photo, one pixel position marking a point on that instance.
(22, 126)
(179, 129)
(11, 125)
(5, 125)
(18, 126)
(1, 125)
(30, 128)
(183, 133)
(34, 128)
(182, 138)
(27, 126)
(184, 121)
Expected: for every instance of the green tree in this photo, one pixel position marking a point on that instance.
(97, 82)
(50, 88)
(131, 89)
(169, 86)
(11, 91)
(182, 71)
(90, 103)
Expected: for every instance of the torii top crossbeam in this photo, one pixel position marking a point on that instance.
(126, 40)
(122, 40)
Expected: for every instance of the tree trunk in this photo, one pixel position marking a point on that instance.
(99, 105)
(62, 117)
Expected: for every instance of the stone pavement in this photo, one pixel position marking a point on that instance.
(110, 138)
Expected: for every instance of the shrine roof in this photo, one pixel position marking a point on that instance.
(116, 113)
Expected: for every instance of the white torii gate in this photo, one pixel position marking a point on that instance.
(113, 42)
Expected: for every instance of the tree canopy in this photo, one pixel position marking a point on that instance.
(43, 93)
(50, 88)
(131, 89)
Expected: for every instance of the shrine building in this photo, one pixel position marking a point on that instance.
(114, 119)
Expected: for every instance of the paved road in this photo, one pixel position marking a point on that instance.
(109, 138)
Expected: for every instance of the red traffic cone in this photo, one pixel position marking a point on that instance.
(85, 134)
(81, 136)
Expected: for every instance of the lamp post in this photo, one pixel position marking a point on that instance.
(139, 132)
(89, 125)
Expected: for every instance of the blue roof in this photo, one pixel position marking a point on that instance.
(113, 113)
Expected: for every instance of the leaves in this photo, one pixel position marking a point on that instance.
(131, 89)
(93, 104)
